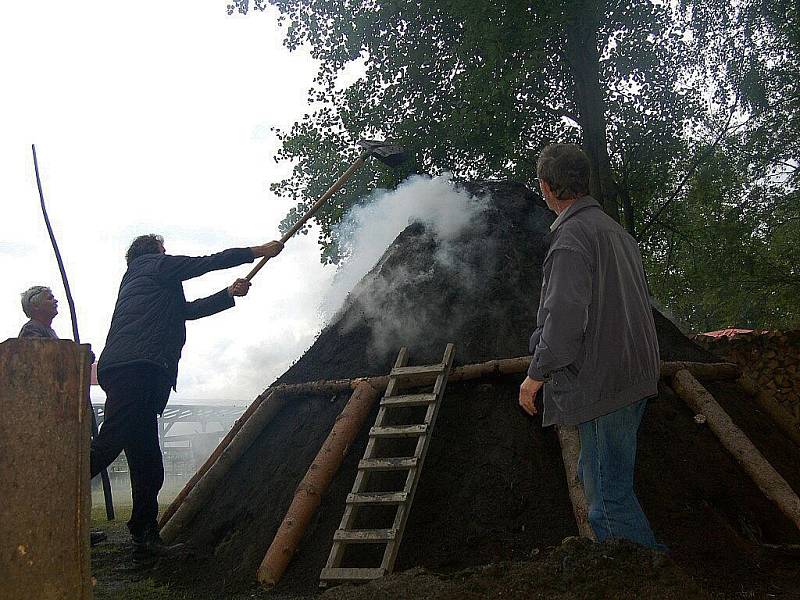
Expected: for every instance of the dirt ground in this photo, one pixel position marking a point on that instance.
(576, 569)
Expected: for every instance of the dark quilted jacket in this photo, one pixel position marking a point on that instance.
(149, 321)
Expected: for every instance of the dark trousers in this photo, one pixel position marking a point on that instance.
(134, 396)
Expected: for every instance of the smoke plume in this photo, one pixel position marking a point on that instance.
(444, 216)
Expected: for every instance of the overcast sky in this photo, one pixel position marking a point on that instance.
(154, 117)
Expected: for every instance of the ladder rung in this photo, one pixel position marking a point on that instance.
(364, 536)
(387, 464)
(409, 400)
(399, 431)
(377, 498)
(351, 574)
(415, 371)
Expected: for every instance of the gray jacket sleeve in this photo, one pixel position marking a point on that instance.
(565, 309)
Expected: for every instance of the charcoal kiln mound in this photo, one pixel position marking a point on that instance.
(493, 487)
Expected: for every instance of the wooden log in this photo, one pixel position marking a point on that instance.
(780, 416)
(315, 483)
(702, 370)
(737, 443)
(205, 486)
(570, 451)
(315, 388)
(178, 500)
(494, 368)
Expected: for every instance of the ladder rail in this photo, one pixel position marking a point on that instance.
(362, 476)
(402, 499)
(413, 477)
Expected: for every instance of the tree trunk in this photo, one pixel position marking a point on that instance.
(583, 58)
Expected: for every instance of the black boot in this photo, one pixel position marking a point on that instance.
(96, 536)
(148, 546)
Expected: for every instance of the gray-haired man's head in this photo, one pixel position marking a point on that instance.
(565, 169)
(39, 299)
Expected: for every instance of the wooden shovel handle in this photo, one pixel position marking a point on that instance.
(322, 200)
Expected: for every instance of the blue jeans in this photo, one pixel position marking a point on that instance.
(605, 468)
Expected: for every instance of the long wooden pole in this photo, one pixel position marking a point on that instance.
(737, 443)
(780, 416)
(570, 451)
(315, 207)
(496, 368)
(315, 483)
(75, 335)
(224, 443)
(200, 493)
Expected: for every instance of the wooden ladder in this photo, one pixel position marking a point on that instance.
(402, 499)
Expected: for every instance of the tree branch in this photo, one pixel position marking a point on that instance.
(700, 159)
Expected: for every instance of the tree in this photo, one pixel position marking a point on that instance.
(478, 88)
(689, 112)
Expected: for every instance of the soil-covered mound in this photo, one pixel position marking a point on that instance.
(576, 569)
(479, 290)
(493, 486)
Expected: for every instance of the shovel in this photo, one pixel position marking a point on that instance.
(391, 155)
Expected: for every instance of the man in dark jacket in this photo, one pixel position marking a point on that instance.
(595, 350)
(139, 364)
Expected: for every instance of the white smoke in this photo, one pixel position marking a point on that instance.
(367, 230)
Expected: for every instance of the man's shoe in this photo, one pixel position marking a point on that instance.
(149, 546)
(96, 536)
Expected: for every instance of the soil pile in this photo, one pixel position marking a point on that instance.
(480, 290)
(576, 569)
(493, 486)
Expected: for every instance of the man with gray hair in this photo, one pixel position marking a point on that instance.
(595, 350)
(41, 307)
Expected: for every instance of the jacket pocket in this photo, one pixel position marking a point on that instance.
(565, 390)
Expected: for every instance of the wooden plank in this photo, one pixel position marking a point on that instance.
(409, 400)
(387, 464)
(350, 574)
(399, 431)
(377, 498)
(416, 373)
(364, 536)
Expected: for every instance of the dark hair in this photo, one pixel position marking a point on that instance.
(565, 168)
(144, 244)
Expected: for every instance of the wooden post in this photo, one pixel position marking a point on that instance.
(779, 415)
(737, 443)
(45, 425)
(200, 493)
(570, 451)
(315, 483)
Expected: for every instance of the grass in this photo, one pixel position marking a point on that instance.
(115, 576)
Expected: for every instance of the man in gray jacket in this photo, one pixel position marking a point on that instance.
(595, 350)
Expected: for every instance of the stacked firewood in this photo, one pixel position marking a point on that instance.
(771, 359)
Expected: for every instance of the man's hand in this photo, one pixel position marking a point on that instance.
(240, 287)
(269, 250)
(527, 395)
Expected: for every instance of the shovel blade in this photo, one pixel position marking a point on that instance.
(389, 154)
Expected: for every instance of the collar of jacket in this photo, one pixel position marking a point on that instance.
(574, 208)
